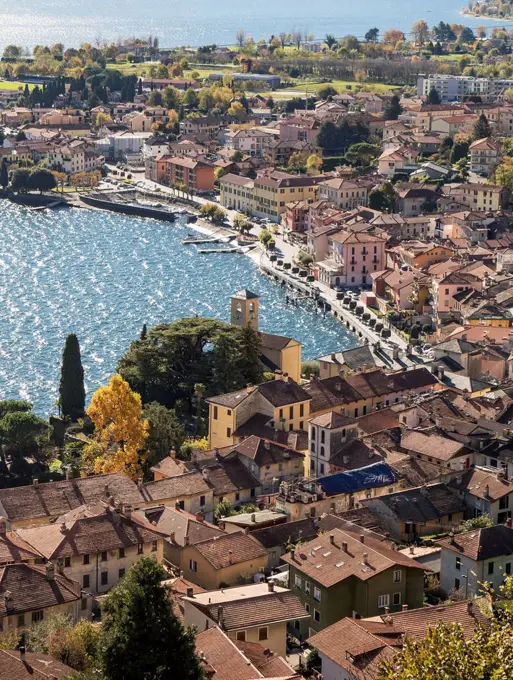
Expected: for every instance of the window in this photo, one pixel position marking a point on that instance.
(121, 553)
(83, 604)
(322, 451)
(396, 599)
(456, 584)
(85, 581)
(312, 447)
(37, 616)
(508, 569)
(193, 565)
(181, 505)
(323, 436)
(458, 563)
(86, 559)
(154, 546)
(67, 561)
(317, 594)
(252, 493)
(307, 607)
(301, 424)
(104, 557)
(228, 431)
(202, 501)
(383, 601)
(317, 616)
(307, 587)
(215, 413)
(237, 496)
(301, 410)
(291, 412)
(228, 412)
(240, 635)
(490, 567)
(298, 582)
(121, 572)
(21, 620)
(398, 576)
(322, 468)
(504, 503)
(263, 633)
(104, 578)
(281, 414)
(140, 549)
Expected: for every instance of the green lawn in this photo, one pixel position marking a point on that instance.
(345, 86)
(14, 85)
(128, 69)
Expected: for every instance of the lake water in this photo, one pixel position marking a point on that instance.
(102, 276)
(200, 22)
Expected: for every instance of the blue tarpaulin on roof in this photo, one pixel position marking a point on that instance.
(378, 474)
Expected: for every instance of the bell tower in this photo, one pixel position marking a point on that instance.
(244, 309)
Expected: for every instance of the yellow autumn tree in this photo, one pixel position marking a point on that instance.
(120, 430)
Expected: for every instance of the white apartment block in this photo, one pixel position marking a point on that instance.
(451, 88)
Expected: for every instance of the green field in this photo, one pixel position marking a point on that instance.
(14, 85)
(301, 88)
(128, 69)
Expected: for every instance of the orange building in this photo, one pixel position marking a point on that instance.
(196, 175)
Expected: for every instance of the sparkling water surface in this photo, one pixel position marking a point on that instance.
(102, 276)
(199, 22)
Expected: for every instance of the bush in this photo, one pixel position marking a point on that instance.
(309, 368)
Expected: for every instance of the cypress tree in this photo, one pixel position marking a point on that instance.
(142, 636)
(4, 175)
(71, 389)
(144, 332)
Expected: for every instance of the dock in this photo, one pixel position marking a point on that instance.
(199, 240)
(53, 204)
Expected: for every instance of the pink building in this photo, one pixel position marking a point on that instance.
(444, 290)
(299, 129)
(352, 258)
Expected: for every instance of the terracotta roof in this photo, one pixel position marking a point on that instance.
(31, 666)
(422, 504)
(384, 419)
(231, 549)
(106, 531)
(270, 665)
(273, 341)
(246, 612)
(264, 452)
(481, 544)
(180, 523)
(328, 563)
(283, 392)
(360, 645)
(14, 549)
(483, 484)
(290, 532)
(51, 499)
(177, 589)
(31, 590)
(222, 659)
(332, 420)
(229, 476)
(188, 484)
(432, 445)
(170, 467)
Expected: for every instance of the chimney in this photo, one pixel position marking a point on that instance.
(23, 653)
(470, 607)
(220, 612)
(63, 528)
(253, 517)
(345, 460)
(362, 538)
(267, 445)
(278, 375)
(139, 483)
(171, 537)
(487, 491)
(366, 558)
(3, 526)
(172, 454)
(292, 554)
(106, 492)
(127, 510)
(509, 523)
(35, 482)
(60, 566)
(186, 540)
(68, 474)
(249, 388)
(344, 546)
(412, 550)
(332, 539)
(404, 607)
(270, 586)
(200, 517)
(177, 506)
(190, 592)
(50, 572)
(205, 473)
(221, 525)
(387, 611)
(285, 377)
(230, 556)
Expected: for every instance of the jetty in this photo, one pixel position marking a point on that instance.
(198, 240)
(54, 204)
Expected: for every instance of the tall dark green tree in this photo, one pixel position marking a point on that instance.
(166, 432)
(433, 96)
(482, 128)
(142, 636)
(4, 175)
(71, 389)
(393, 109)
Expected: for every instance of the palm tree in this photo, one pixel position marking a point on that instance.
(330, 41)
